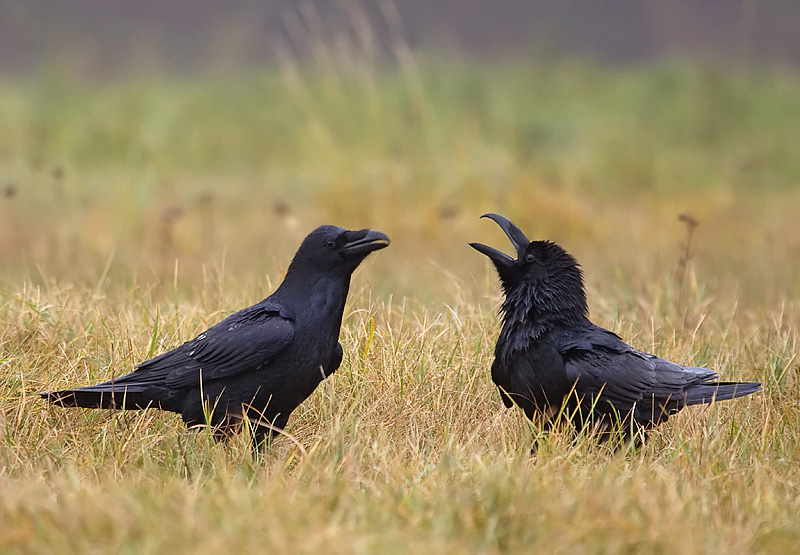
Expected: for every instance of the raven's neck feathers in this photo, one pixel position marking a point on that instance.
(533, 308)
(309, 286)
(306, 283)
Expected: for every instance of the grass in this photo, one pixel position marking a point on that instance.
(135, 214)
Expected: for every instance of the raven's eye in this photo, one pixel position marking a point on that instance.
(529, 258)
(331, 244)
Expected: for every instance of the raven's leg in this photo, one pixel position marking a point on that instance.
(264, 434)
(222, 431)
(222, 427)
(635, 436)
(628, 434)
(543, 428)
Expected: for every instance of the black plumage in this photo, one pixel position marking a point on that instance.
(550, 359)
(259, 363)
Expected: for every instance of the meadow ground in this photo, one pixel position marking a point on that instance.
(134, 214)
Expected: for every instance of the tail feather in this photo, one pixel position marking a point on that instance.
(102, 396)
(719, 391)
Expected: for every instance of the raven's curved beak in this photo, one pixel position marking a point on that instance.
(518, 240)
(361, 243)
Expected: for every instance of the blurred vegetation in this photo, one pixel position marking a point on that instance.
(135, 213)
(141, 173)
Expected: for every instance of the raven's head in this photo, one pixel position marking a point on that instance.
(543, 278)
(334, 250)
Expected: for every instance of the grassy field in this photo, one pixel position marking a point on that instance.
(135, 214)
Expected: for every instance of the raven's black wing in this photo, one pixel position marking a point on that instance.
(608, 369)
(245, 341)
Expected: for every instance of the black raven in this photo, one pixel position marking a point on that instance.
(259, 363)
(551, 360)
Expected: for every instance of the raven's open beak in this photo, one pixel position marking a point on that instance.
(516, 236)
(361, 243)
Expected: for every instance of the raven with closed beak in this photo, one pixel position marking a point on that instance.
(259, 363)
(551, 360)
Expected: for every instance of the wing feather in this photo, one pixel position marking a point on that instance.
(242, 342)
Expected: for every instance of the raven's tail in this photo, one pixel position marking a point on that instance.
(102, 396)
(719, 391)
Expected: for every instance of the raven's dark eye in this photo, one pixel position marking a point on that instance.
(529, 258)
(331, 244)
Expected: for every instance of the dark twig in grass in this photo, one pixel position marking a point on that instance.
(686, 255)
(169, 217)
(683, 262)
(9, 190)
(182, 450)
